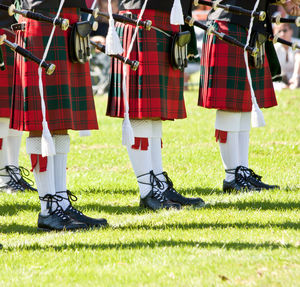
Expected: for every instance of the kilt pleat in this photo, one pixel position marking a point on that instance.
(155, 90)
(6, 76)
(223, 78)
(68, 92)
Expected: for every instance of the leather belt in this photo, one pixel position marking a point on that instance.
(18, 26)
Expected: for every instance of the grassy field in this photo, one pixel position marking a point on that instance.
(248, 239)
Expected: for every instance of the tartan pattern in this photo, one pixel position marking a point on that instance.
(68, 92)
(6, 77)
(223, 78)
(155, 90)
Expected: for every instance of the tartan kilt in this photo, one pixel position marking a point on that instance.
(67, 92)
(223, 78)
(6, 76)
(155, 90)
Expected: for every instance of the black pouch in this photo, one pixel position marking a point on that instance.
(258, 41)
(79, 42)
(274, 64)
(178, 55)
(2, 64)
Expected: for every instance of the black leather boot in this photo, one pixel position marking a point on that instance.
(174, 196)
(155, 200)
(255, 180)
(57, 219)
(78, 215)
(239, 183)
(16, 183)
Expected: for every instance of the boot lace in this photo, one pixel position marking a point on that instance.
(156, 185)
(16, 182)
(241, 174)
(51, 199)
(71, 197)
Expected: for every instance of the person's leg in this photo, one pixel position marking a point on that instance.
(228, 127)
(140, 155)
(62, 147)
(13, 150)
(167, 186)
(245, 126)
(51, 216)
(156, 146)
(4, 175)
(249, 174)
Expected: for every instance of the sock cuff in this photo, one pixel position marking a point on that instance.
(4, 125)
(14, 133)
(142, 128)
(62, 143)
(33, 145)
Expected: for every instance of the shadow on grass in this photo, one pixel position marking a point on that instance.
(94, 190)
(187, 191)
(18, 228)
(12, 209)
(198, 191)
(25, 229)
(256, 205)
(154, 244)
(212, 225)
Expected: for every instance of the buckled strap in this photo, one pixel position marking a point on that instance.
(130, 15)
(18, 26)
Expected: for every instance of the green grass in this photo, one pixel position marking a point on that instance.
(237, 240)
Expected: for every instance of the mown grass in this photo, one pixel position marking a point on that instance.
(237, 240)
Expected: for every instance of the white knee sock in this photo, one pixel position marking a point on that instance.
(230, 153)
(142, 165)
(4, 176)
(155, 143)
(13, 148)
(141, 160)
(235, 151)
(244, 138)
(45, 179)
(243, 148)
(62, 147)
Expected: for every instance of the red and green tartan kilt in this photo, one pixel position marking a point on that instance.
(6, 76)
(155, 90)
(223, 78)
(68, 92)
